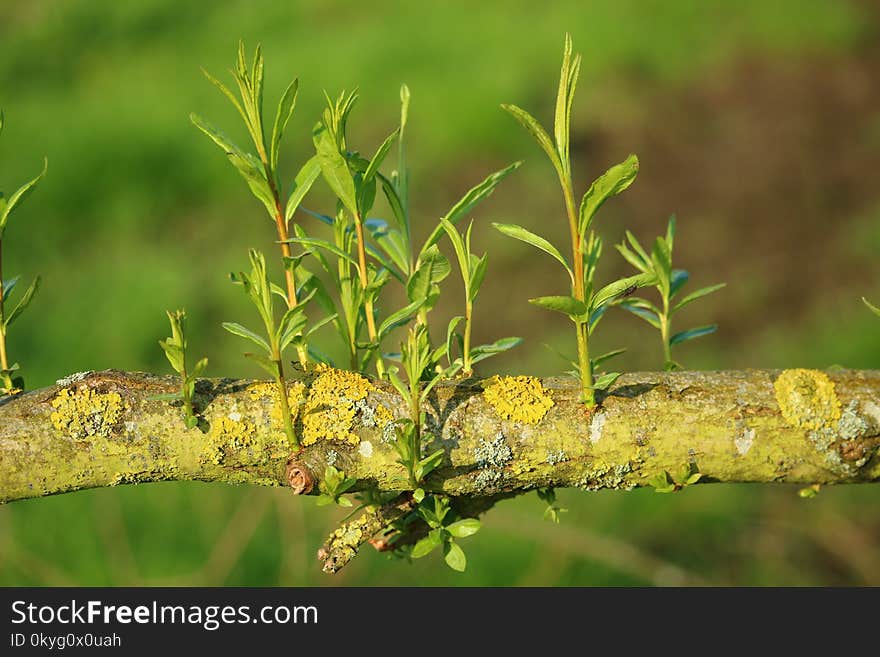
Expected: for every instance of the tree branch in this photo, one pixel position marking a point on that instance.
(499, 436)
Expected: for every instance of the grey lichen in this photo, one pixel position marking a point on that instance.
(491, 457)
(557, 457)
(495, 453)
(851, 425)
(331, 456)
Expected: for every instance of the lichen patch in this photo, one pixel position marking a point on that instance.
(807, 399)
(518, 398)
(84, 413)
(597, 424)
(330, 410)
(744, 440)
(267, 393)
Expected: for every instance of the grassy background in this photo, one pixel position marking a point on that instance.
(756, 123)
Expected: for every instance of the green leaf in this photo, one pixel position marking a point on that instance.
(399, 317)
(464, 528)
(282, 116)
(693, 296)
(633, 258)
(570, 306)
(605, 381)
(241, 331)
(418, 495)
(520, 233)
(426, 545)
(268, 365)
(568, 77)
(469, 201)
(609, 184)
(677, 280)
(327, 246)
(392, 242)
(174, 354)
(458, 246)
(396, 203)
(199, 368)
(335, 169)
(530, 123)
(478, 275)
(485, 351)
(639, 311)
(662, 483)
(247, 165)
(428, 464)
(874, 309)
(433, 267)
(9, 286)
(620, 287)
(303, 182)
(662, 259)
(18, 196)
(606, 356)
(690, 334)
(454, 556)
(380, 155)
(24, 302)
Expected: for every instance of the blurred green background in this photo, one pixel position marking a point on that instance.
(756, 122)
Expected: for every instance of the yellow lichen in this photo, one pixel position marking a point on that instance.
(383, 416)
(807, 399)
(269, 391)
(518, 398)
(330, 409)
(228, 435)
(85, 412)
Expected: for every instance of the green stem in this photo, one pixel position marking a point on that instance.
(286, 252)
(665, 323)
(467, 369)
(583, 332)
(368, 302)
(4, 359)
(416, 417)
(285, 405)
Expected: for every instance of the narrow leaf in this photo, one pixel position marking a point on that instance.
(570, 306)
(282, 116)
(241, 331)
(609, 184)
(520, 233)
(690, 334)
(470, 200)
(693, 296)
(303, 182)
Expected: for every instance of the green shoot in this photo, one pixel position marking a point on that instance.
(874, 309)
(419, 363)
(435, 511)
(353, 180)
(279, 335)
(473, 271)
(333, 486)
(373, 251)
(686, 476)
(669, 283)
(584, 306)
(10, 384)
(552, 512)
(260, 170)
(175, 350)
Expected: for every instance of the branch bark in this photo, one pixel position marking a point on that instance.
(500, 436)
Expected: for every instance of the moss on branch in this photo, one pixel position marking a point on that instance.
(108, 428)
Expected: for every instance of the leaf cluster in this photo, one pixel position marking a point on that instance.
(175, 351)
(444, 530)
(669, 282)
